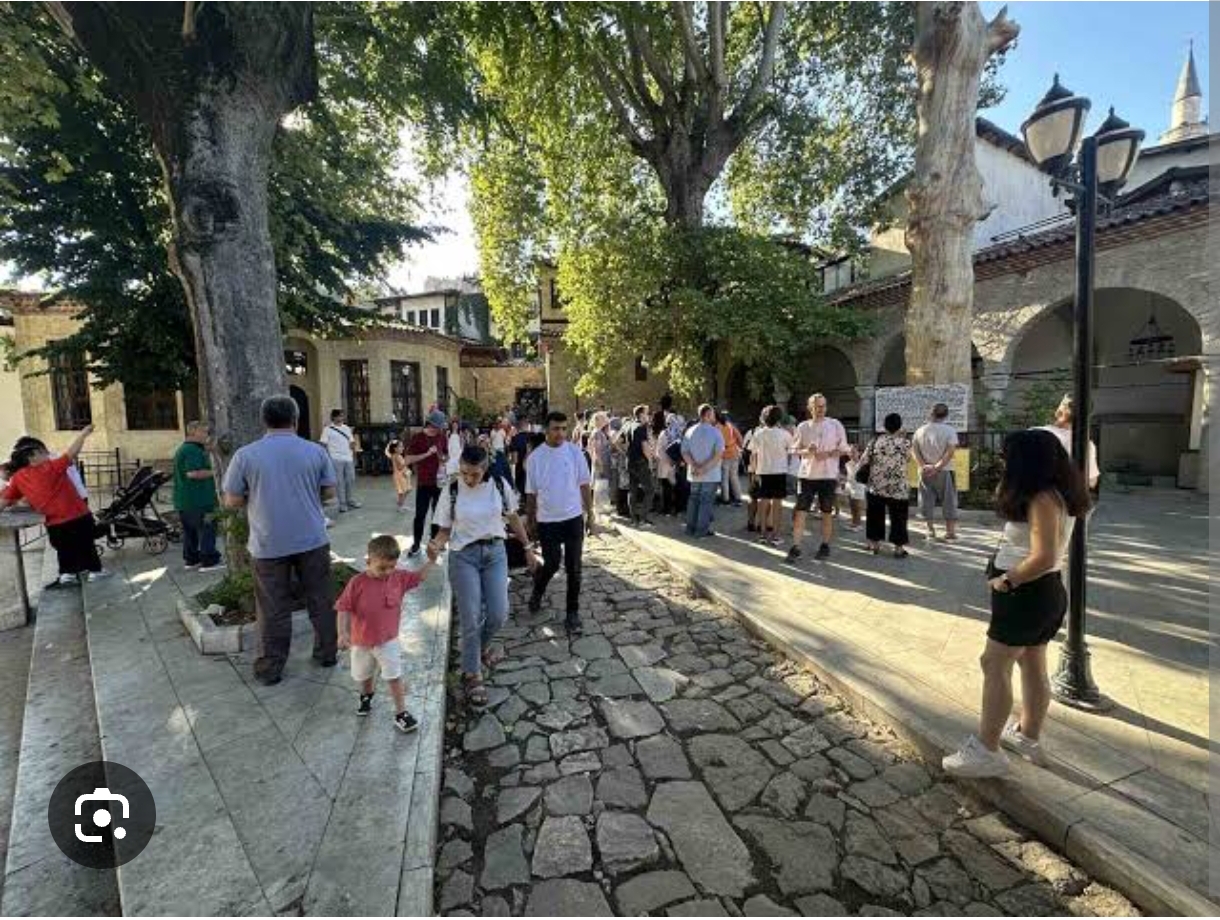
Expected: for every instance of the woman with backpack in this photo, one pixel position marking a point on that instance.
(471, 516)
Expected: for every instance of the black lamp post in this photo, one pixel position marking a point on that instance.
(1102, 165)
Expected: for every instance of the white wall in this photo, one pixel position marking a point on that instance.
(12, 411)
(1147, 168)
(1021, 193)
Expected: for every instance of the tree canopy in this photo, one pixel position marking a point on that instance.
(654, 151)
(82, 199)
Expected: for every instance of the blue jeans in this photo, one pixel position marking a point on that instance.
(198, 538)
(699, 507)
(478, 574)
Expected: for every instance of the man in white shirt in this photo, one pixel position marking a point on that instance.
(1062, 429)
(559, 508)
(340, 444)
(933, 447)
(820, 441)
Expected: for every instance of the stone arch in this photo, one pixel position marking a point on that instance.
(306, 380)
(743, 407)
(825, 368)
(1145, 412)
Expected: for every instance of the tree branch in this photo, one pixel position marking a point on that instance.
(640, 46)
(610, 91)
(1001, 31)
(690, 42)
(766, 66)
(717, 23)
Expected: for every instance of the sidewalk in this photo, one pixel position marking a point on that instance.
(269, 799)
(1126, 795)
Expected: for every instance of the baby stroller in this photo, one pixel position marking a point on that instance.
(133, 515)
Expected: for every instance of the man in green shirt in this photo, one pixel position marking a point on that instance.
(195, 500)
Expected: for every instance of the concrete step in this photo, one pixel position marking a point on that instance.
(59, 732)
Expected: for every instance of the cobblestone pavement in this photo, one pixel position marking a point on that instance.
(669, 763)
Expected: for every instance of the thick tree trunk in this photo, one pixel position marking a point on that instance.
(945, 196)
(211, 83)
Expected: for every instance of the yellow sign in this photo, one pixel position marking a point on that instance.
(961, 470)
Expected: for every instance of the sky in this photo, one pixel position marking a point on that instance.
(1124, 54)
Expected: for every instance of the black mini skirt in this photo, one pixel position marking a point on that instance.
(1030, 614)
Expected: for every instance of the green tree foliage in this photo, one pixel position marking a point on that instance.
(83, 207)
(613, 123)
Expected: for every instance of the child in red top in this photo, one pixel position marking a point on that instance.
(44, 483)
(369, 611)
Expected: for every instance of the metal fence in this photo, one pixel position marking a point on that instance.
(105, 472)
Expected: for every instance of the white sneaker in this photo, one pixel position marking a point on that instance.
(191, 566)
(1023, 745)
(99, 576)
(974, 761)
(203, 570)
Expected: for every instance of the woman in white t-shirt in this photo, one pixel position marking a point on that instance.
(471, 515)
(1041, 498)
(769, 461)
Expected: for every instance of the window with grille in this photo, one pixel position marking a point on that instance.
(442, 388)
(150, 410)
(354, 378)
(404, 392)
(436, 319)
(70, 391)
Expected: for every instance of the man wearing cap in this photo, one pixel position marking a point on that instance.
(427, 453)
(1062, 429)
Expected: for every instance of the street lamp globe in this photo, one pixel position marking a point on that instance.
(1053, 131)
(1118, 147)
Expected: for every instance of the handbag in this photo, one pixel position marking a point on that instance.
(865, 469)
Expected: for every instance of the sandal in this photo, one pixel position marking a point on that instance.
(492, 656)
(474, 691)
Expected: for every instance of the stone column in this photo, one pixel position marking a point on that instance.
(868, 407)
(14, 598)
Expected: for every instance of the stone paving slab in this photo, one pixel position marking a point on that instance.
(907, 654)
(270, 799)
(799, 803)
(58, 733)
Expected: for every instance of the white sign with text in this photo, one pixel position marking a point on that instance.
(915, 404)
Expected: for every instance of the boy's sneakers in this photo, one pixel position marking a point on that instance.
(975, 761)
(366, 704)
(1022, 744)
(214, 567)
(191, 566)
(405, 722)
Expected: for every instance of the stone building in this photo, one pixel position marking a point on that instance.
(386, 374)
(1156, 323)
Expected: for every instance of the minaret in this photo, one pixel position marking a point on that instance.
(1187, 119)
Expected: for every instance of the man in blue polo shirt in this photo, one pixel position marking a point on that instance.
(282, 480)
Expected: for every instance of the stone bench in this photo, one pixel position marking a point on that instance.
(15, 609)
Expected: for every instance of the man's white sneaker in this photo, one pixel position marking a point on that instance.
(974, 761)
(1023, 745)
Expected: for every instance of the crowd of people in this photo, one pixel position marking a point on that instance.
(493, 495)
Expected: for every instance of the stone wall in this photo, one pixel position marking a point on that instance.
(33, 330)
(624, 391)
(495, 387)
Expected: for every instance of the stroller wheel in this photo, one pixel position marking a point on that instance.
(156, 544)
(114, 542)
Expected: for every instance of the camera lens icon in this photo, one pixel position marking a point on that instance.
(102, 817)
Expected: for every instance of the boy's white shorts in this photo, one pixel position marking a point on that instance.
(387, 655)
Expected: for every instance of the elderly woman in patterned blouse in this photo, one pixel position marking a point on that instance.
(888, 489)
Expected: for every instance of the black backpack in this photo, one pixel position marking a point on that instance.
(673, 451)
(512, 546)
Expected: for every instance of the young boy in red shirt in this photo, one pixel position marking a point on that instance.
(369, 611)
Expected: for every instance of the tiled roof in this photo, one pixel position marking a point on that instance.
(1185, 195)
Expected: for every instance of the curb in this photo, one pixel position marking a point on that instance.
(1100, 854)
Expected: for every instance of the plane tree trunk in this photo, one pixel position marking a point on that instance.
(945, 196)
(211, 83)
